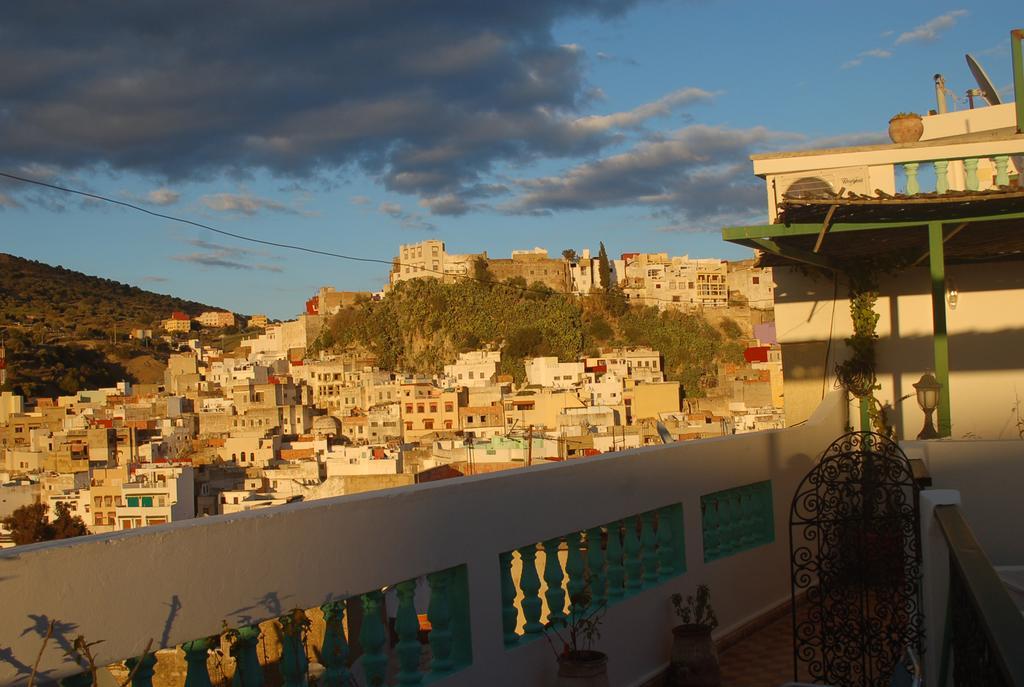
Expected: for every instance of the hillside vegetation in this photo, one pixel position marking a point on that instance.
(423, 324)
(78, 304)
(59, 328)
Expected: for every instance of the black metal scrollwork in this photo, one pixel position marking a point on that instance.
(855, 554)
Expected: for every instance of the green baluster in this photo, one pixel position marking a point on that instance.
(78, 680)
(1002, 170)
(631, 547)
(509, 613)
(910, 169)
(767, 513)
(575, 569)
(971, 173)
(458, 603)
(710, 526)
(553, 576)
(649, 543)
(439, 614)
(142, 676)
(372, 636)
(595, 565)
(407, 626)
(616, 569)
(334, 651)
(248, 671)
(666, 550)
(941, 175)
(294, 664)
(749, 530)
(735, 526)
(529, 583)
(196, 653)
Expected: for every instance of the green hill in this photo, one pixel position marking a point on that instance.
(423, 324)
(65, 331)
(71, 303)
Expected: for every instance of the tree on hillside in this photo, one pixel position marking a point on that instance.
(604, 268)
(569, 254)
(28, 524)
(481, 271)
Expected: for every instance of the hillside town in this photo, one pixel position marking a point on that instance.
(273, 421)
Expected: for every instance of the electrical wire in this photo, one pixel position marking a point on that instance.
(314, 251)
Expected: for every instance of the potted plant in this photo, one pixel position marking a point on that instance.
(572, 640)
(906, 127)
(694, 659)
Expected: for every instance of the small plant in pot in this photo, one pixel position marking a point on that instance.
(694, 659)
(906, 127)
(572, 640)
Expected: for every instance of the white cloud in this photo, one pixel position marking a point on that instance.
(408, 220)
(931, 29)
(163, 196)
(8, 203)
(879, 53)
(360, 200)
(638, 115)
(245, 204)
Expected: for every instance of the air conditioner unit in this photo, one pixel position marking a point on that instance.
(815, 182)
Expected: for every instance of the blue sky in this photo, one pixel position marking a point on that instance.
(354, 129)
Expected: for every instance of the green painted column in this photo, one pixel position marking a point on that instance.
(440, 615)
(631, 548)
(196, 653)
(910, 169)
(458, 602)
(553, 576)
(865, 414)
(143, 674)
(616, 569)
(971, 173)
(509, 613)
(649, 548)
(666, 541)
(937, 266)
(407, 626)
(334, 651)
(1002, 163)
(372, 637)
(1016, 37)
(248, 671)
(941, 175)
(596, 579)
(294, 663)
(529, 583)
(709, 527)
(575, 570)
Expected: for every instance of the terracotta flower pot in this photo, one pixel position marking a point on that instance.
(906, 128)
(694, 658)
(583, 669)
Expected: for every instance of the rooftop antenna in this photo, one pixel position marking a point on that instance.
(988, 91)
(940, 94)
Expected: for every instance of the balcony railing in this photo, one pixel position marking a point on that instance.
(985, 631)
(501, 554)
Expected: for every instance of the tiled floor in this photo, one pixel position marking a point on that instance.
(764, 659)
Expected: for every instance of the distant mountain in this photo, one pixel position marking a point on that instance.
(71, 303)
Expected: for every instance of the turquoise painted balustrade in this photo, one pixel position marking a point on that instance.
(738, 519)
(942, 171)
(607, 563)
(448, 646)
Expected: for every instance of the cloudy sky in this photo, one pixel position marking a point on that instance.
(356, 126)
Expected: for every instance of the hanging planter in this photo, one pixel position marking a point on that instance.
(906, 127)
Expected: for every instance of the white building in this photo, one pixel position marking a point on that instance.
(550, 373)
(473, 369)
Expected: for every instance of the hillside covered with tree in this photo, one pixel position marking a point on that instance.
(423, 324)
(77, 304)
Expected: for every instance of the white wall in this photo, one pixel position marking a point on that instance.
(385, 537)
(986, 337)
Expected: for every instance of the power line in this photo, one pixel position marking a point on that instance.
(313, 251)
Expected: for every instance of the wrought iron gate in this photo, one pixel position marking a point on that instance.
(855, 552)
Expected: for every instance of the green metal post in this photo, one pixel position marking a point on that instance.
(1016, 37)
(865, 414)
(936, 257)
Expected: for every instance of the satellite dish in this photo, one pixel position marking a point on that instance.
(988, 91)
